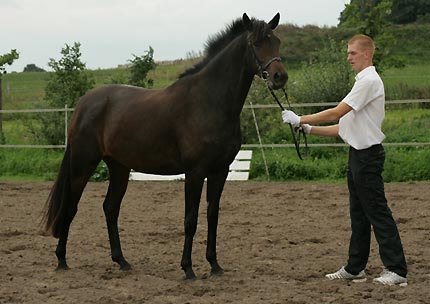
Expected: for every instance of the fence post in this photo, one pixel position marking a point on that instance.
(263, 154)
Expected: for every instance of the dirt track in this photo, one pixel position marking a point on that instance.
(276, 241)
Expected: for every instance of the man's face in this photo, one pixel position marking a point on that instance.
(358, 57)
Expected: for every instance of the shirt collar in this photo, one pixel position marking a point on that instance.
(366, 71)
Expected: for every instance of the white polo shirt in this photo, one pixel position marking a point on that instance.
(361, 127)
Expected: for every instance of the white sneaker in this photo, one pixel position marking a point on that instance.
(345, 275)
(391, 278)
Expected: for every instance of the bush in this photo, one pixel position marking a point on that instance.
(407, 164)
(405, 91)
(284, 165)
(329, 79)
(140, 67)
(101, 173)
(66, 85)
(41, 164)
(402, 164)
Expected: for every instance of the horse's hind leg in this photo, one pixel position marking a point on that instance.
(215, 186)
(118, 185)
(81, 170)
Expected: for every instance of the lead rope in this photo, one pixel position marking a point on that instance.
(293, 133)
(264, 75)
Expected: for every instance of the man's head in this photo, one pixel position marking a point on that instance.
(360, 52)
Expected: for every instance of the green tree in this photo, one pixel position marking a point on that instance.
(6, 59)
(370, 19)
(137, 72)
(373, 20)
(403, 11)
(31, 67)
(66, 85)
(140, 66)
(409, 11)
(69, 80)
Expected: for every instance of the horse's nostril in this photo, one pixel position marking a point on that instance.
(280, 77)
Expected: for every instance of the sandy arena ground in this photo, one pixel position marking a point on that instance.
(275, 242)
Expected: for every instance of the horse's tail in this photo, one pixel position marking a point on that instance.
(57, 205)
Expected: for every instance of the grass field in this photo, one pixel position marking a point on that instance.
(416, 75)
(25, 90)
(404, 123)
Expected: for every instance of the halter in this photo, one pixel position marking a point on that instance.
(264, 75)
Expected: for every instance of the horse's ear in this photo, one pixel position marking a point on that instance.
(275, 21)
(247, 23)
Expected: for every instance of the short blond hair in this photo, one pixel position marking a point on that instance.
(365, 42)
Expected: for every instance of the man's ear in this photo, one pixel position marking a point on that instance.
(369, 54)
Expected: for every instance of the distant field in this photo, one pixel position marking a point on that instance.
(25, 90)
(413, 75)
(22, 90)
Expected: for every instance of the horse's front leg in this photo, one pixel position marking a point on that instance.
(215, 187)
(111, 207)
(193, 192)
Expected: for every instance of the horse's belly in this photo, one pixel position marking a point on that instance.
(149, 160)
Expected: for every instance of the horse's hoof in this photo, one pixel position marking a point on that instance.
(218, 271)
(125, 266)
(190, 275)
(62, 267)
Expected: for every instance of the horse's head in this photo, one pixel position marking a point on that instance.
(264, 47)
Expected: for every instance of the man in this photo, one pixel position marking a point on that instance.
(360, 116)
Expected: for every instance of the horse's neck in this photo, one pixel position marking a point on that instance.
(229, 77)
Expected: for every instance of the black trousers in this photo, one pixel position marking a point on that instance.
(369, 208)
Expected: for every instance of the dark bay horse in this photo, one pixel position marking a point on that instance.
(191, 127)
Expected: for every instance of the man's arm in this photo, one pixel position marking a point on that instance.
(325, 130)
(329, 115)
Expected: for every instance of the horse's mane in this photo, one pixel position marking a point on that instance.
(219, 41)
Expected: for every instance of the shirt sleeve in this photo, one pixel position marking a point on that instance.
(360, 94)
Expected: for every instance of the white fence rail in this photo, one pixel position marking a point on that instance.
(66, 111)
(238, 170)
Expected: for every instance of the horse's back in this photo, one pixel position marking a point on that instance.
(131, 124)
(154, 131)
(101, 105)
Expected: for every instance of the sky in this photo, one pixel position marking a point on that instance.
(111, 31)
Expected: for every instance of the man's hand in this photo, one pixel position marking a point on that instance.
(290, 117)
(306, 128)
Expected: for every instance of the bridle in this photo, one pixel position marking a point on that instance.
(261, 68)
(262, 72)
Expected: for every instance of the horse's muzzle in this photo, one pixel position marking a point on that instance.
(278, 80)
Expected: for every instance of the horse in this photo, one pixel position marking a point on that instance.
(191, 127)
